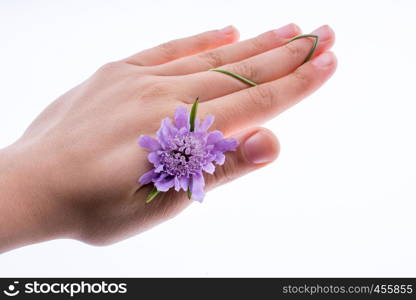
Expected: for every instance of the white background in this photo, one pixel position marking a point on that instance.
(339, 201)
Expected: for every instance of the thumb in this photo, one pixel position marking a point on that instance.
(258, 147)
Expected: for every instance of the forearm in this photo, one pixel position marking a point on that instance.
(27, 213)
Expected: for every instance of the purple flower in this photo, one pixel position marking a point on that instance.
(179, 155)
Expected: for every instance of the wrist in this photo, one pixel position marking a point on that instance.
(28, 212)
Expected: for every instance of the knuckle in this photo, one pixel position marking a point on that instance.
(212, 58)
(111, 67)
(158, 89)
(293, 49)
(202, 40)
(247, 69)
(258, 44)
(262, 96)
(168, 50)
(302, 79)
(117, 71)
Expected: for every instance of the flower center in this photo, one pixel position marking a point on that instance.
(185, 155)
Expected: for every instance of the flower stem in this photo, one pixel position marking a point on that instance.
(152, 195)
(315, 44)
(252, 83)
(236, 76)
(193, 114)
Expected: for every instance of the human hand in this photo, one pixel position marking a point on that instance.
(74, 171)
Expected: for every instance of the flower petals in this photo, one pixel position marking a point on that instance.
(165, 184)
(153, 157)
(177, 184)
(209, 168)
(149, 143)
(220, 158)
(147, 177)
(159, 169)
(184, 181)
(166, 132)
(197, 122)
(182, 117)
(198, 184)
(214, 137)
(226, 145)
(206, 124)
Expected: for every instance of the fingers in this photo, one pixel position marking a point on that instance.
(261, 68)
(257, 104)
(228, 54)
(183, 47)
(258, 147)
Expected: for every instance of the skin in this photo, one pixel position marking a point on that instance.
(73, 173)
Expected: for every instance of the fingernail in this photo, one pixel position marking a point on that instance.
(258, 149)
(228, 30)
(324, 32)
(323, 60)
(287, 31)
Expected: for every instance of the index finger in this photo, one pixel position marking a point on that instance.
(185, 46)
(229, 53)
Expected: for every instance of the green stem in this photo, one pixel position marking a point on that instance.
(152, 195)
(252, 83)
(315, 44)
(236, 76)
(192, 117)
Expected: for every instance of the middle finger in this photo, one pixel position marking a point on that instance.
(262, 68)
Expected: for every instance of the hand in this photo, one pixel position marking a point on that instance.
(74, 171)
